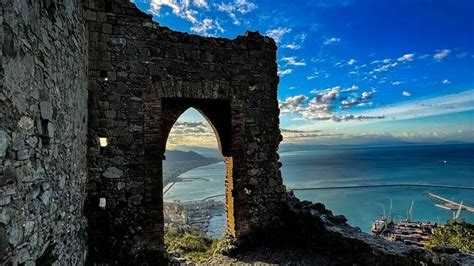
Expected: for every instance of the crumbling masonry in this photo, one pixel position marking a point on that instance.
(76, 71)
(142, 77)
(131, 84)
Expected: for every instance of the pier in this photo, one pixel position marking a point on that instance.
(386, 185)
(449, 204)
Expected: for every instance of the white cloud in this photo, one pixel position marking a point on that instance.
(351, 88)
(188, 10)
(396, 83)
(318, 60)
(351, 62)
(156, 6)
(297, 41)
(385, 61)
(183, 9)
(192, 133)
(324, 102)
(357, 100)
(445, 81)
(205, 26)
(277, 33)
(440, 54)
(293, 61)
(301, 37)
(406, 93)
(331, 40)
(292, 104)
(385, 67)
(406, 57)
(316, 73)
(366, 95)
(285, 72)
(237, 7)
(201, 3)
(292, 46)
(446, 104)
(424, 56)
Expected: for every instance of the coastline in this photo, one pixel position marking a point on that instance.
(172, 170)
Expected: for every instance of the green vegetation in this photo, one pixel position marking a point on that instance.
(457, 234)
(189, 245)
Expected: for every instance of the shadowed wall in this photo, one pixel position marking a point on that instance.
(142, 77)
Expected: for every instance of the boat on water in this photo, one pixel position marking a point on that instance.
(378, 226)
(411, 232)
(406, 231)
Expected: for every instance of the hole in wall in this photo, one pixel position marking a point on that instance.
(44, 132)
(103, 142)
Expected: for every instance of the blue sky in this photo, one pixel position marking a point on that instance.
(354, 69)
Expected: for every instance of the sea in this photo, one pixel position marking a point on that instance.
(336, 166)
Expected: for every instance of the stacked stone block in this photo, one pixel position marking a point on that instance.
(142, 77)
(43, 132)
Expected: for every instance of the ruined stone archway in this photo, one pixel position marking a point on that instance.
(141, 78)
(218, 113)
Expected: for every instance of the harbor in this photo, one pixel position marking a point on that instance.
(414, 233)
(193, 215)
(449, 204)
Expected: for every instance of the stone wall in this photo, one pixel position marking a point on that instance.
(142, 78)
(43, 131)
(66, 82)
(313, 227)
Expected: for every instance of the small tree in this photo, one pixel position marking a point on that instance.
(457, 234)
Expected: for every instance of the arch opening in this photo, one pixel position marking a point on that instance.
(195, 175)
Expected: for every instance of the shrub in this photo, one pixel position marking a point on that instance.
(189, 245)
(455, 234)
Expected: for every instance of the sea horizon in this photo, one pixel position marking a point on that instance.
(359, 165)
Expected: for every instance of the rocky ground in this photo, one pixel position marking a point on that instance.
(271, 256)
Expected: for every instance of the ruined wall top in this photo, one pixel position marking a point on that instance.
(142, 76)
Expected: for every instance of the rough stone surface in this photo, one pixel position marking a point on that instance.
(43, 67)
(73, 71)
(113, 172)
(313, 227)
(142, 77)
(46, 110)
(4, 142)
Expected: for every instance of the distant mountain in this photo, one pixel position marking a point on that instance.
(207, 152)
(366, 143)
(178, 162)
(181, 156)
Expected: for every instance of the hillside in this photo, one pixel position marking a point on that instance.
(178, 155)
(178, 162)
(204, 151)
